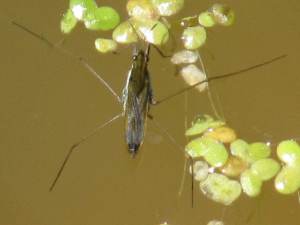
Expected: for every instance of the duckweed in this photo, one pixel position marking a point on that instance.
(184, 57)
(234, 167)
(200, 170)
(223, 134)
(288, 179)
(240, 148)
(289, 152)
(152, 31)
(168, 7)
(206, 19)
(105, 45)
(124, 33)
(251, 183)
(202, 124)
(265, 169)
(223, 15)
(259, 150)
(68, 22)
(81, 8)
(215, 222)
(220, 189)
(191, 74)
(102, 18)
(142, 9)
(193, 37)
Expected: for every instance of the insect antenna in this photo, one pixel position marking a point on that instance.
(226, 75)
(68, 53)
(75, 146)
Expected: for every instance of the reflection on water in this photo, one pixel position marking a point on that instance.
(49, 101)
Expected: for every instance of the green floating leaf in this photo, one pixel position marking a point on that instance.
(213, 151)
(258, 151)
(142, 9)
(184, 57)
(220, 189)
(223, 134)
(196, 148)
(289, 152)
(105, 45)
(81, 8)
(125, 33)
(102, 18)
(191, 74)
(288, 180)
(193, 37)
(202, 124)
(200, 170)
(251, 183)
(240, 148)
(68, 22)
(216, 154)
(265, 169)
(206, 19)
(189, 21)
(215, 222)
(168, 7)
(223, 14)
(152, 31)
(234, 166)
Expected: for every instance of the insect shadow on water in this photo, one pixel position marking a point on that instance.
(137, 96)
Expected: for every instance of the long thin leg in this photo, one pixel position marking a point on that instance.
(179, 147)
(75, 146)
(209, 93)
(70, 54)
(220, 77)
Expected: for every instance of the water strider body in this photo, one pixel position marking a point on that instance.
(136, 98)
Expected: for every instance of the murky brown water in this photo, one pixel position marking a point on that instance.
(48, 101)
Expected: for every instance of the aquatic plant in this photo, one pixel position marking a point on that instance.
(236, 165)
(147, 20)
